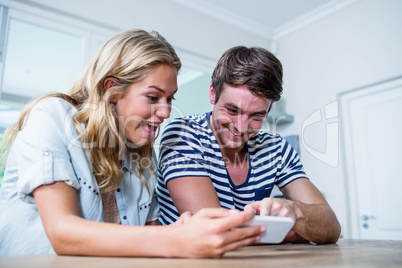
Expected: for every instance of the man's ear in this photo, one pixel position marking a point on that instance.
(108, 83)
(211, 95)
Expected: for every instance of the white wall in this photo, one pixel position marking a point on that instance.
(185, 28)
(357, 46)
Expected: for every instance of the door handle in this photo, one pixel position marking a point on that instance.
(365, 218)
(368, 217)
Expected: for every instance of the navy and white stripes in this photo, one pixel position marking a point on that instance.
(189, 149)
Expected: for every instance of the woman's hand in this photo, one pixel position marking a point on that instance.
(212, 232)
(183, 218)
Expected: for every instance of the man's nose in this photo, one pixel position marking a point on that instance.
(241, 123)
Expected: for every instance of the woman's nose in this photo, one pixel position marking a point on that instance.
(163, 111)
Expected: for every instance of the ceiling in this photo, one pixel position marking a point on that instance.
(270, 19)
(266, 17)
(269, 13)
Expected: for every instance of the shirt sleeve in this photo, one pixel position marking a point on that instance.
(290, 167)
(41, 148)
(181, 153)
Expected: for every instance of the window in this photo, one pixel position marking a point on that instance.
(40, 52)
(41, 55)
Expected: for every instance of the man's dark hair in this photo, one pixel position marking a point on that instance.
(256, 68)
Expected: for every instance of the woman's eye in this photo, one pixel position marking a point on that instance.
(171, 99)
(152, 98)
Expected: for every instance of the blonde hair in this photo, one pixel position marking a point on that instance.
(126, 57)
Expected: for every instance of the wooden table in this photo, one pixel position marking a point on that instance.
(346, 253)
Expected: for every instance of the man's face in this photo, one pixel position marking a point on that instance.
(237, 116)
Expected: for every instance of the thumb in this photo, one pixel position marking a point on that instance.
(255, 207)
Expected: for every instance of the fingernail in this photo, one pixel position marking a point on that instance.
(263, 229)
(257, 238)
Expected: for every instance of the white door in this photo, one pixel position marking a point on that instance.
(372, 128)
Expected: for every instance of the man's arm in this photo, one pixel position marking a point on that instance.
(314, 219)
(193, 193)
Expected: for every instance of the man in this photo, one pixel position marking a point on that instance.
(223, 159)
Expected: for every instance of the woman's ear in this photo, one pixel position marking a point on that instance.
(108, 83)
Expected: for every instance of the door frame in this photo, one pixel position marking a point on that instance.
(352, 229)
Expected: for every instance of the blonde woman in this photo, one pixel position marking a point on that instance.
(80, 170)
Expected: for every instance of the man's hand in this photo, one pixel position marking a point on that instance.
(273, 207)
(278, 207)
(313, 222)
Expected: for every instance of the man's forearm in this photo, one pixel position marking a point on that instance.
(315, 223)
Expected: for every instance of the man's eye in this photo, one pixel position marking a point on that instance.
(232, 111)
(258, 117)
(171, 99)
(152, 98)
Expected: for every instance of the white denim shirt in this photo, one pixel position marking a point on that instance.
(46, 150)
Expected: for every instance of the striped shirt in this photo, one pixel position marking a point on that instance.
(190, 149)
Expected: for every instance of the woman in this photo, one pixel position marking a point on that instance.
(78, 163)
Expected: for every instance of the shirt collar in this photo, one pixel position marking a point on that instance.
(207, 117)
(126, 164)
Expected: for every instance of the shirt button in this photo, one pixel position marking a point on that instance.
(118, 189)
(124, 217)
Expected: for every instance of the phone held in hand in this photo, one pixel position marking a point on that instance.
(276, 228)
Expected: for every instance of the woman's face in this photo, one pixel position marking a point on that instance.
(146, 104)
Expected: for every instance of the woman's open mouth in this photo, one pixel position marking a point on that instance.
(149, 127)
